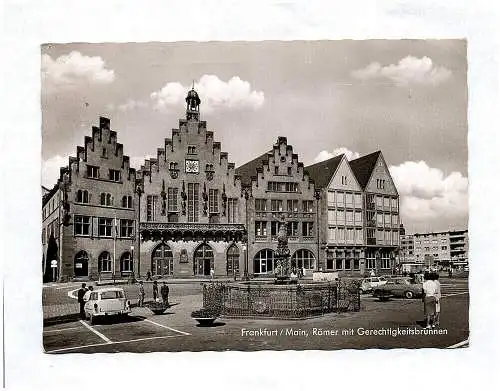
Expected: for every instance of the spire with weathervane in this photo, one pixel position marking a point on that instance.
(193, 105)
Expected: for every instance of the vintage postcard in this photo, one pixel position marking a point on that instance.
(272, 195)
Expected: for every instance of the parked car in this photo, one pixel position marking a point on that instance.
(106, 302)
(399, 287)
(369, 283)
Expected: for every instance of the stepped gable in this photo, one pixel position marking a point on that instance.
(363, 167)
(321, 173)
(248, 170)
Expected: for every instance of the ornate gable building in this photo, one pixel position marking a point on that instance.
(278, 191)
(192, 209)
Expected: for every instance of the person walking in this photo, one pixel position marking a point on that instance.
(155, 290)
(81, 301)
(372, 273)
(429, 299)
(148, 276)
(164, 293)
(142, 294)
(438, 299)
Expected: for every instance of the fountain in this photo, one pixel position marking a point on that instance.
(282, 255)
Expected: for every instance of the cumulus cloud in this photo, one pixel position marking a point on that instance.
(325, 155)
(75, 69)
(409, 70)
(51, 168)
(426, 193)
(214, 94)
(132, 105)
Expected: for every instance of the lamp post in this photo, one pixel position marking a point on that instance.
(246, 194)
(132, 251)
(139, 192)
(317, 196)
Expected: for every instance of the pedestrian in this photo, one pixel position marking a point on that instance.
(450, 273)
(148, 276)
(142, 294)
(155, 290)
(164, 293)
(81, 301)
(372, 273)
(86, 297)
(212, 273)
(438, 299)
(429, 289)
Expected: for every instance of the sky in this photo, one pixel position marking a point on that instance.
(407, 98)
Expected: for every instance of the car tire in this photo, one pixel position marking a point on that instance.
(409, 295)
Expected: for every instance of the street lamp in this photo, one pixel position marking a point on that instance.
(139, 191)
(132, 251)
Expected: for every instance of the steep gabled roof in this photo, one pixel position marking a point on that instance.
(363, 167)
(249, 169)
(321, 173)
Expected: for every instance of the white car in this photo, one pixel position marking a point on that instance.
(369, 283)
(106, 302)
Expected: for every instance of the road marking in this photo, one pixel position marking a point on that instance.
(166, 327)
(458, 345)
(96, 332)
(454, 294)
(65, 329)
(111, 343)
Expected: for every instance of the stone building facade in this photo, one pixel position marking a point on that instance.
(91, 211)
(279, 191)
(192, 207)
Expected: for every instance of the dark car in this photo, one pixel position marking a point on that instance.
(399, 287)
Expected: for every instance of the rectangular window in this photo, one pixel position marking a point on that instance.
(331, 198)
(370, 262)
(340, 217)
(395, 220)
(359, 236)
(339, 197)
(260, 228)
(92, 172)
(172, 199)
(331, 235)
(387, 220)
(379, 202)
(293, 228)
(114, 175)
(341, 234)
(394, 203)
(395, 237)
(307, 228)
(307, 206)
(292, 205)
(349, 217)
(283, 186)
(356, 261)
(277, 205)
(331, 217)
(347, 264)
(350, 236)
(260, 205)
(385, 263)
(387, 237)
(349, 200)
(275, 227)
(232, 210)
(126, 228)
(105, 227)
(380, 219)
(193, 201)
(358, 201)
(213, 201)
(82, 225)
(151, 202)
(358, 218)
(386, 203)
(338, 264)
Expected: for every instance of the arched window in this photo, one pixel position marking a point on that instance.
(263, 262)
(303, 258)
(104, 262)
(233, 260)
(82, 196)
(162, 262)
(81, 264)
(126, 262)
(203, 260)
(127, 202)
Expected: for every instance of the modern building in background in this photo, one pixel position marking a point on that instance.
(189, 210)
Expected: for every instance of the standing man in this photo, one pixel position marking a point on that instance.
(142, 294)
(372, 273)
(86, 297)
(81, 301)
(155, 290)
(164, 293)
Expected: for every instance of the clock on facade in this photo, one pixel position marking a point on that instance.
(192, 166)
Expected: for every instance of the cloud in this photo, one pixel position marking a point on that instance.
(51, 169)
(427, 194)
(214, 94)
(325, 155)
(75, 69)
(132, 105)
(409, 70)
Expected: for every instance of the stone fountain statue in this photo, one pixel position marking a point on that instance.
(282, 253)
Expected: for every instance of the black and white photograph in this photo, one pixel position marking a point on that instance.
(266, 195)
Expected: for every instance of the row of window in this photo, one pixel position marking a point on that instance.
(279, 187)
(262, 205)
(104, 227)
(431, 248)
(342, 199)
(106, 199)
(94, 173)
(264, 261)
(52, 229)
(382, 202)
(261, 228)
(383, 236)
(104, 262)
(341, 217)
(50, 206)
(343, 235)
(277, 170)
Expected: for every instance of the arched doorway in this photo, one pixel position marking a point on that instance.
(203, 260)
(81, 264)
(233, 261)
(303, 259)
(263, 262)
(162, 262)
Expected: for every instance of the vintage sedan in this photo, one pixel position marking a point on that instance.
(399, 287)
(106, 302)
(370, 283)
